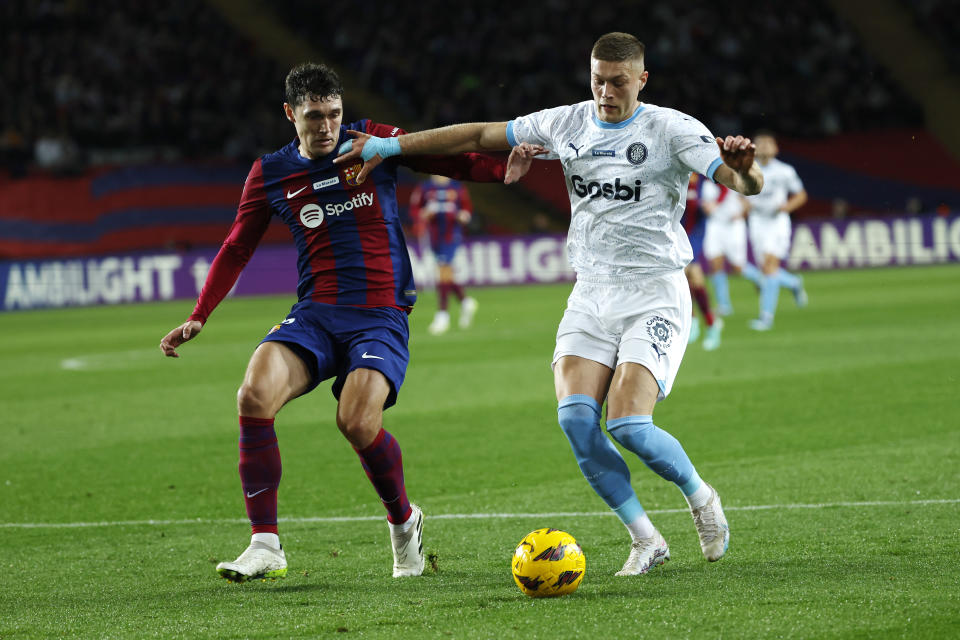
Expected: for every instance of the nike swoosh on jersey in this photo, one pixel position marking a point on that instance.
(291, 194)
(367, 355)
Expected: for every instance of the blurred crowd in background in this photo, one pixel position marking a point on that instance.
(737, 65)
(112, 81)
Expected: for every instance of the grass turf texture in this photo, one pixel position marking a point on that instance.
(853, 399)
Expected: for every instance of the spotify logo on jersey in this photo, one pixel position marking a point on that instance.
(311, 216)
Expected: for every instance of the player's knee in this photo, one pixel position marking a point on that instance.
(255, 400)
(579, 422)
(637, 437)
(359, 427)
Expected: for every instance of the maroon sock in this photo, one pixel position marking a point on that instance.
(457, 290)
(260, 472)
(443, 290)
(384, 466)
(703, 301)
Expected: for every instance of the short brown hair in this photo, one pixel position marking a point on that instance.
(311, 81)
(617, 47)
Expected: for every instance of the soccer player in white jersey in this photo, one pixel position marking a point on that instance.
(627, 165)
(769, 223)
(725, 237)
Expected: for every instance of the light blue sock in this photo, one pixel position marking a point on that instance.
(788, 280)
(721, 289)
(658, 449)
(751, 273)
(769, 293)
(601, 463)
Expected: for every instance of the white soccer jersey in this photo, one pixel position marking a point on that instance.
(729, 206)
(779, 181)
(627, 184)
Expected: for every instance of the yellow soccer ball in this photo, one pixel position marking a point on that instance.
(548, 562)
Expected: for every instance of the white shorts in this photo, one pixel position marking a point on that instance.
(770, 236)
(726, 239)
(645, 321)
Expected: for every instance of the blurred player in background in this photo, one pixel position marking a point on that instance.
(624, 332)
(725, 238)
(350, 322)
(442, 208)
(770, 229)
(693, 222)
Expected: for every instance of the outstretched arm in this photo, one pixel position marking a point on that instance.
(457, 138)
(739, 171)
(253, 218)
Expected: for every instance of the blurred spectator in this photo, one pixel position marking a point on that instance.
(57, 153)
(840, 208)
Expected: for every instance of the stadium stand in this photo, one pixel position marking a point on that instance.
(940, 19)
(144, 119)
(114, 81)
(794, 68)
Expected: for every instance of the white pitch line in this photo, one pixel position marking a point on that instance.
(465, 516)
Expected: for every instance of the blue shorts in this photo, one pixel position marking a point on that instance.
(333, 340)
(444, 252)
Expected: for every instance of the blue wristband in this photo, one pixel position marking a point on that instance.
(384, 147)
(387, 147)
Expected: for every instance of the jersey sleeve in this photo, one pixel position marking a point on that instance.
(253, 218)
(794, 183)
(476, 167)
(694, 145)
(537, 128)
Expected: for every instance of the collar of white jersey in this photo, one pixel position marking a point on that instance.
(617, 125)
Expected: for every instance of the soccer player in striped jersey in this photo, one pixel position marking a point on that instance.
(350, 322)
(627, 165)
(442, 207)
(770, 229)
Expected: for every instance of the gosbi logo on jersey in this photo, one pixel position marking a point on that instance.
(312, 215)
(615, 191)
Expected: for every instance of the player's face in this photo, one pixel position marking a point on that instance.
(766, 148)
(317, 123)
(616, 87)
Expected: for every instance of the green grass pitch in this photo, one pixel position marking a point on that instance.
(853, 400)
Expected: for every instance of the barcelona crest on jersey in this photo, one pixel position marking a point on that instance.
(350, 174)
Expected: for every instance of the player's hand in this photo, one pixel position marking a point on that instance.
(521, 157)
(371, 150)
(737, 153)
(178, 336)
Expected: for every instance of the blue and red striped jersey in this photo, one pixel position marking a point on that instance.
(351, 249)
(442, 209)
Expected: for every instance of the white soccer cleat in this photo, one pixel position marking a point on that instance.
(259, 560)
(712, 527)
(759, 324)
(645, 554)
(468, 307)
(712, 340)
(440, 324)
(408, 547)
